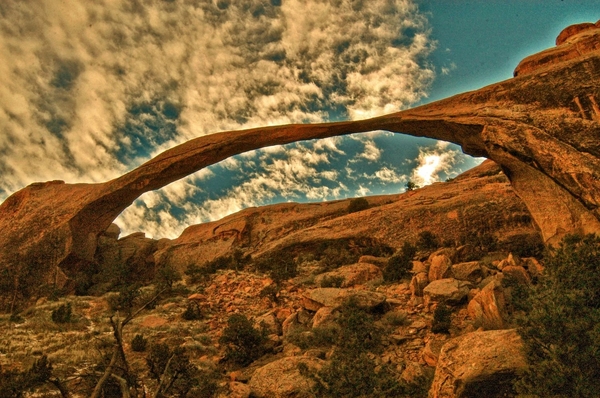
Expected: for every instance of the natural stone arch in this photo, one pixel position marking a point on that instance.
(542, 127)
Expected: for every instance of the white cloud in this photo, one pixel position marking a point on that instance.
(386, 175)
(431, 162)
(88, 88)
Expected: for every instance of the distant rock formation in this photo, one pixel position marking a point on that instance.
(541, 127)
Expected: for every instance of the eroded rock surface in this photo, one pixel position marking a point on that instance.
(541, 127)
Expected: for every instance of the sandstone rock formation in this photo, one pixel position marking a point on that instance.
(541, 127)
(479, 364)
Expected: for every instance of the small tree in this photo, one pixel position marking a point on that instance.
(171, 369)
(411, 186)
(358, 204)
(243, 342)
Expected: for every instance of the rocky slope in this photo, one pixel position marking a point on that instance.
(541, 127)
(479, 200)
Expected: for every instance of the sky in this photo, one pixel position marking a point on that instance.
(90, 90)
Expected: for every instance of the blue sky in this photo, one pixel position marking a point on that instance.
(90, 90)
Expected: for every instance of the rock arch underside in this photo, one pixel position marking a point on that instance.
(542, 127)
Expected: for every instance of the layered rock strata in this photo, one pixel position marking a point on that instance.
(541, 126)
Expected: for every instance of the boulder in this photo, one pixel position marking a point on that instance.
(333, 297)
(488, 308)
(324, 316)
(418, 283)
(355, 274)
(449, 291)
(516, 273)
(296, 322)
(471, 272)
(378, 261)
(282, 378)
(270, 322)
(419, 266)
(440, 268)
(432, 350)
(479, 364)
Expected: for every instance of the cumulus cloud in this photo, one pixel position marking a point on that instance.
(387, 175)
(432, 161)
(91, 89)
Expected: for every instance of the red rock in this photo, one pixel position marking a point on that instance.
(488, 308)
(440, 268)
(540, 126)
(479, 364)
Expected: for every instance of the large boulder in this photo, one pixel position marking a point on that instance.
(488, 308)
(282, 378)
(450, 291)
(440, 268)
(333, 297)
(479, 364)
(470, 271)
(351, 275)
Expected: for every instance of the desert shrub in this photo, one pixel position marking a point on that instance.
(62, 314)
(173, 368)
(16, 384)
(400, 264)
(442, 316)
(165, 278)
(358, 204)
(320, 336)
(526, 245)
(279, 265)
(351, 371)
(271, 292)
(411, 186)
(192, 312)
(395, 318)
(427, 240)
(332, 281)
(243, 342)
(335, 256)
(139, 343)
(125, 299)
(561, 327)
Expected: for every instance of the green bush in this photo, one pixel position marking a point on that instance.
(427, 240)
(180, 376)
(280, 266)
(351, 371)
(243, 343)
(62, 314)
(400, 264)
(561, 325)
(358, 204)
(139, 343)
(192, 312)
(442, 317)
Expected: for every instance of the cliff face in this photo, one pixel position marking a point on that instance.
(541, 127)
(480, 200)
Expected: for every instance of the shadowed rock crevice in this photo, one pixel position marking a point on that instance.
(541, 126)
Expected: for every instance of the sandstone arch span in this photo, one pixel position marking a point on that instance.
(542, 127)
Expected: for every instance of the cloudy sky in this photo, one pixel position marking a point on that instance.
(92, 89)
